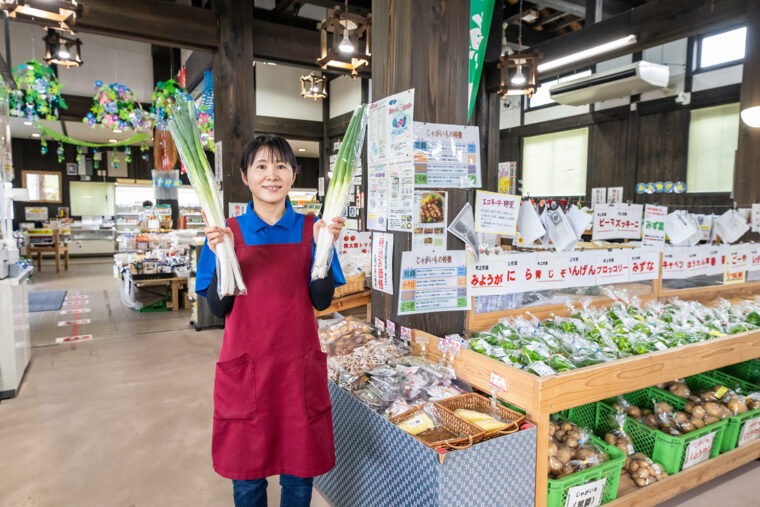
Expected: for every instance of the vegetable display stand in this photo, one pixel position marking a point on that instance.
(542, 396)
(379, 464)
(748, 371)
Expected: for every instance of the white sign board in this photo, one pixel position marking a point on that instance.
(698, 451)
(496, 213)
(382, 262)
(587, 495)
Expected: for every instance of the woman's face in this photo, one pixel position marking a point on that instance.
(268, 179)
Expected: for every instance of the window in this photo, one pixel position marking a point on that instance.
(542, 97)
(722, 48)
(555, 164)
(713, 139)
(43, 186)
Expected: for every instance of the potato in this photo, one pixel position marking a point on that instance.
(585, 453)
(553, 448)
(566, 426)
(688, 407)
(568, 469)
(640, 455)
(687, 427)
(565, 454)
(641, 472)
(559, 435)
(555, 465)
(708, 396)
(649, 420)
(698, 411)
(736, 406)
(712, 409)
(573, 434)
(610, 438)
(641, 482)
(711, 419)
(681, 417)
(663, 408)
(697, 422)
(571, 442)
(633, 466)
(634, 412)
(623, 446)
(679, 389)
(724, 412)
(646, 411)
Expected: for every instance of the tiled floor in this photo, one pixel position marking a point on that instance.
(125, 420)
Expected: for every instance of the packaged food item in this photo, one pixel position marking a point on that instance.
(344, 336)
(482, 420)
(643, 471)
(416, 424)
(618, 436)
(571, 449)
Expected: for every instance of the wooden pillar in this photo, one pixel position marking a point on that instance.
(234, 93)
(747, 174)
(422, 45)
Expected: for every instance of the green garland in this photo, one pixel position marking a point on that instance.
(52, 134)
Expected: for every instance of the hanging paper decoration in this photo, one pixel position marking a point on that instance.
(116, 108)
(144, 150)
(95, 158)
(79, 154)
(38, 96)
(163, 95)
(52, 134)
(59, 152)
(205, 105)
(43, 146)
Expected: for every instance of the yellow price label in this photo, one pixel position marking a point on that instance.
(721, 391)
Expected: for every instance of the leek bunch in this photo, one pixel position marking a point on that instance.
(184, 130)
(339, 188)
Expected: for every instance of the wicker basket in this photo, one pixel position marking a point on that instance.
(478, 403)
(353, 285)
(450, 422)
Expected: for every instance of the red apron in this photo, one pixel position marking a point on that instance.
(271, 403)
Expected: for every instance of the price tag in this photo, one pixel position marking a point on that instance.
(721, 391)
(588, 495)
(406, 332)
(391, 327)
(454, 343)
(498, 382)
(380, 324)
(698, 451)
(750, 431)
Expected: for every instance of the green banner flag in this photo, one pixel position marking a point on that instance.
(481, 12)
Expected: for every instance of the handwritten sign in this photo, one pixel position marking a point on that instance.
(653, 231)
(496, 213)
(750, 431)
(598, 196)
(614, 195)
(613, 267)
(617, 221)
(433, 282)
(382, 262)
(587, 495)
(698, 451)
(644, 265)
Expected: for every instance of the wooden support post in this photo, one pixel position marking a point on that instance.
(234, 93)
(422, 45)
(747, 176)
(541, 420)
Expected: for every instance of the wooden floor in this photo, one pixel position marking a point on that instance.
(125, 420)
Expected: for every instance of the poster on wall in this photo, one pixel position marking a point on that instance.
(382, 262)
(430, 220)
(401, 196)
(446, 156)
(377, 198)
(72, 169)
(496, 213)
(433, 282)
(507, 177)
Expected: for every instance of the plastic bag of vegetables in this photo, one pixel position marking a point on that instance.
(340, 187)
(184, 130)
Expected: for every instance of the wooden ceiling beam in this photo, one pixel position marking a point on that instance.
(162, 23)
(282, 5)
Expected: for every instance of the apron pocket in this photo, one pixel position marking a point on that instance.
(235, 389)
(316, 394)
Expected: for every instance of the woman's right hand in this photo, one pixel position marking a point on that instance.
(215, 234)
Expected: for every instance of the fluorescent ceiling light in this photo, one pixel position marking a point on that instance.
(751, 116)
(301, 149)
(27, 123)
(35, 134)
(587, 53)
(113, 141)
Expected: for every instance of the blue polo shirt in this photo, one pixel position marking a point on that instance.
(257, 232)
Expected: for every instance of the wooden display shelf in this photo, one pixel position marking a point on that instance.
(630, 494)
(348, 302)
(542, 396)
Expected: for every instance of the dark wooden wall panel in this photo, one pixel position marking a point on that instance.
(606, 154)
(663, 146)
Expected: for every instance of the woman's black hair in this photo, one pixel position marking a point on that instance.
(279, 150)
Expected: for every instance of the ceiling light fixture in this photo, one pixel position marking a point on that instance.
(27, 123)
(35, 134)
(302, 149)
(518, 70)
(588, 53)
(519, 77)
(113, 141)
(346, 50)
(313, 86)
(62, 50)
(57, 14)
(751, 117)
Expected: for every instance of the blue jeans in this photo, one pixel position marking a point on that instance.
(296, 492)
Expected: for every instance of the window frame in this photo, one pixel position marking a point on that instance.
(42, 174)
(698, 41)
(521, 164)
(709, 193)
(526, 101)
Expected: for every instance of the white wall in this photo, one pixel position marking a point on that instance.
(345, 95)
(278, 93)
(106, 59)
(609, 65)
(553, 113)
(510, 112)
(716, 78)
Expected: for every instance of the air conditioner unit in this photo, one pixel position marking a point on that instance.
(632, 79)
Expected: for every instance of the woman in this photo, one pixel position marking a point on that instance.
(272, 412)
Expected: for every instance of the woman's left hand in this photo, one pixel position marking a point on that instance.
(334, 228)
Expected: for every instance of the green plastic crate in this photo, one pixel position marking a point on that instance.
(584, 416)
(667, 450)
(748, 371)
(734, 423)
(159, 306)
(609, 470)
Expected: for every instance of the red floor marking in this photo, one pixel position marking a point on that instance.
(75, 338)
(72, 322)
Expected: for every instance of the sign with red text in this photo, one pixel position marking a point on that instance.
(496, 213)
(644, 265)
(750, 431)
(613, 267)
(549, 271)
(382, 262)
(354, 243)
(698, 451)
(674, 261)
(617, 221)
(498, 274)
(582, 268)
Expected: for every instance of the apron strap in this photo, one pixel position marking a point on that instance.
(237, 234)
(307, 236)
